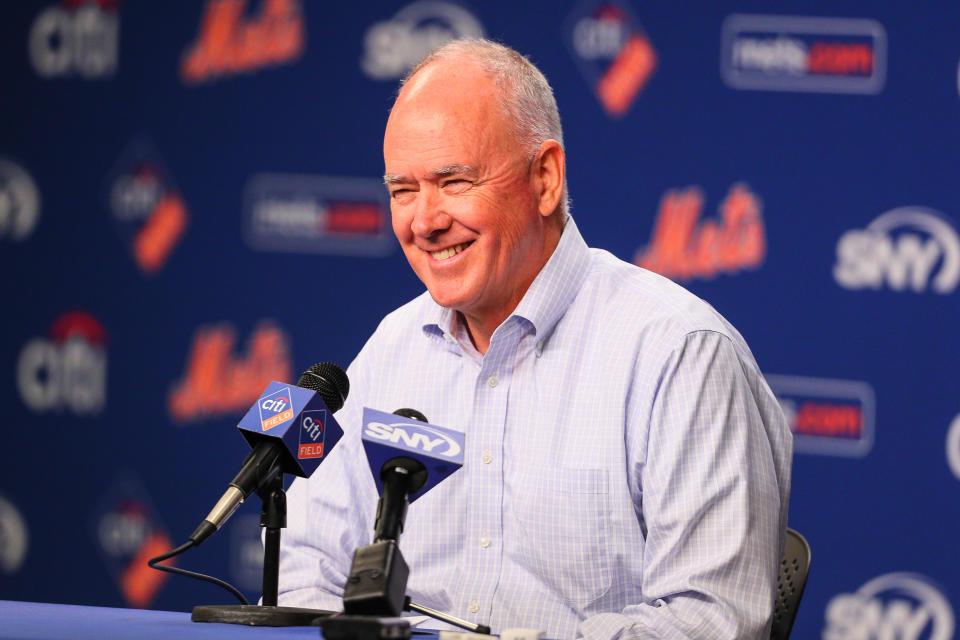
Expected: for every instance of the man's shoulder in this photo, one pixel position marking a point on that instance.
(625, 291)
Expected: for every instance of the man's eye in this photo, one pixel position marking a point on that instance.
(457, 184)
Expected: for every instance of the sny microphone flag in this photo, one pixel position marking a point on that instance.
(386, 436)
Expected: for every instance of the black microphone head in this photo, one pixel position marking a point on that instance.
(329, 380)
(413, 414)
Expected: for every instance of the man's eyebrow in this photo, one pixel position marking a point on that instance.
(454, 169)
(392, 178)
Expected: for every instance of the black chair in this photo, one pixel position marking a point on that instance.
(794, 569)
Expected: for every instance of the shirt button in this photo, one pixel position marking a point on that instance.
(486, 458)
(492, 381)
(484, 542)
(474, 607)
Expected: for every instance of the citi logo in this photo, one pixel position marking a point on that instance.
(275, 409)
(907, 248)
(275, 404)
(415, 437)
(895, 605)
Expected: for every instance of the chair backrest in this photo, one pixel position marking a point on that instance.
(794, 568)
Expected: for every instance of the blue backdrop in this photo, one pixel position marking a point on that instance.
(190, 206)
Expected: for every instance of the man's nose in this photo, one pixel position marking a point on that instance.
(429, 217)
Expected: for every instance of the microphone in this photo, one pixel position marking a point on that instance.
(407, 457)
(289, 429)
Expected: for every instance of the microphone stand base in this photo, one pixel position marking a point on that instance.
(253, 615)
(345, 627)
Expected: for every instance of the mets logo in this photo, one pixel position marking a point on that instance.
(275, 408)
(613, 52)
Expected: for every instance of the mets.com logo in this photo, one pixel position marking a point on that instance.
(905, 606)
(912, 248)
(787, 53)
(827, 417)
(317, 214)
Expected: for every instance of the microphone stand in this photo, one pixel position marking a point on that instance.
(273, 518)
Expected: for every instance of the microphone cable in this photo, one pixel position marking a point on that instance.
(152, 563)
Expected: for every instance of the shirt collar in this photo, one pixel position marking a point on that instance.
(547, 299)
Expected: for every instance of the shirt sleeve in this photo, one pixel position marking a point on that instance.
(329, 516)
(711, 503)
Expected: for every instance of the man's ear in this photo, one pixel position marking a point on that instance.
(549, 166)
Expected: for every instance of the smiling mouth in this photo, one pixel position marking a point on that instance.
(449, 252)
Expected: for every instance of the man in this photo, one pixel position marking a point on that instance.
(627, 468)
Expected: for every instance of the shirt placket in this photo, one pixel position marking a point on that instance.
(485, 519)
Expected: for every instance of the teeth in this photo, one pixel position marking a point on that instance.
(449, 252)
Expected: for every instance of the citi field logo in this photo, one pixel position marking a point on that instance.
(150, 215)
(19, 202)
(414, 436)
(317, 214)
(230, 43)
(613, 52)
(14, 539)
(275, 409)
(913, 248)
(217, 382)
(128, 534)
(684, 247)
(76, 37)
(895, 605)
(827, 417)
(787, 53)
(392, 47)
(66, 371)
(311, 434)
(953, 446)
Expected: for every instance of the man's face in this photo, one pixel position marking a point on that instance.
(464, 205)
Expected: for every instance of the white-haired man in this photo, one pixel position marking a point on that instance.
(627, 468)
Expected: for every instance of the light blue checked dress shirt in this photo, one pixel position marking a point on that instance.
(627, 468)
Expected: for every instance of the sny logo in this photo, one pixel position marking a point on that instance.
(79, 36)
(229, 44)
(19, 201)
(902, 248)
(953, 446)
(393, 46)
(275, 409)
(895, 605)
(414, 436)
(681, 249)
(68, 369)
(613, 52)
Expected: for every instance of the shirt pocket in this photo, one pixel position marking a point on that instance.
(564, 527)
